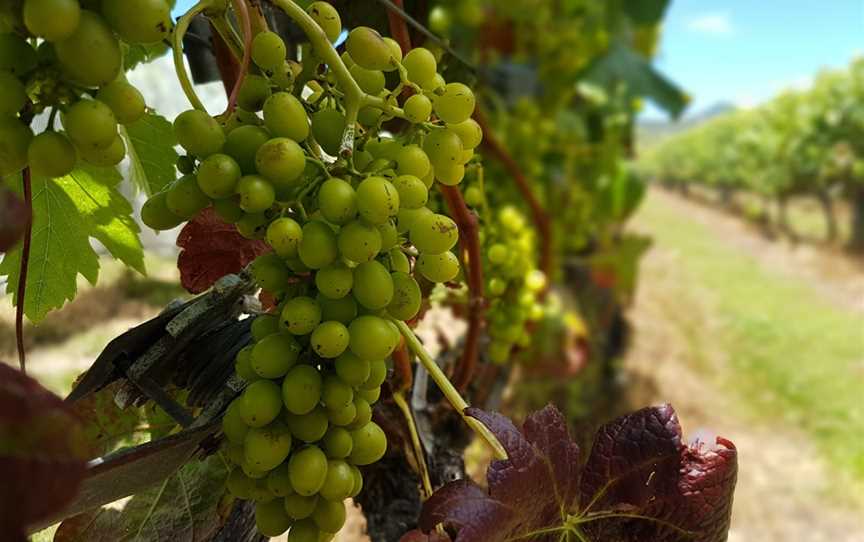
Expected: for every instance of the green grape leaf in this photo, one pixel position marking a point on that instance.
(94, 191)
(186, 506)
(136, 54)
(646, 12)
(60, 250)
(150, 143)
(621, 64)
(106, 426)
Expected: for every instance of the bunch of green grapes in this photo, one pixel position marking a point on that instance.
(353, 235)
(67, 58)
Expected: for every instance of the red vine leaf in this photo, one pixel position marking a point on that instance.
(419, 536)
(212, 248)
(42, 461)
(640, 483)
(13, 219)
(104, 424)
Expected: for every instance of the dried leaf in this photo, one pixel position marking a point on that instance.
(212, 249)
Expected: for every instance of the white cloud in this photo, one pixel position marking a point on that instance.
(715, 24)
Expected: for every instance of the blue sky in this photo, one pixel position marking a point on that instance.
(745, 51)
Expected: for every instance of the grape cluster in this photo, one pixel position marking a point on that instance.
(66, 57)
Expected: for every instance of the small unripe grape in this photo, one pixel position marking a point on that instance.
(377, 200)
(285, 116)
(370, 396)
(370, 81)
(337, 443)
(51, 154)
(199, 133)
(352, 369)
(299, 507)
(329, 515)
(139, 21)
(473, 196)
(443, 147)
(438, 267)
(108, 156)
(435, 83)
(52, 20)
(228, 209)
(327, 18)
(271, 519)
(334, 281)
(377, 375)
(125, 101)
(450, 174)
(342, 416)
(309, 427)
(373, 286)
(254, 92)
(279, 482)
(301, 315)
(232, 424)
(364, 413)
(263, 326)
(456, 104)
(328, 125)
(399, 261)
(284, 235)
(406, 297)
(372, 338)
(330, 339)
(240, 485)
(281, 160)
(274, 355)
(260, 403)
(253, 225)
(395, 50)
(156, 215)
(12, 94)
(185, 199)
(90, 123)
(256, 194)
(359, 241)
(469, 132)
(301, 389)
(268, 51)
(337, 201)
(267, 447)
(389, 235)
(358, 481)
(421, 65)
(340, 310)
(434, 234)
(368, 49)
(243, 143)
(185, 164)
(16, 55)
(91, 54)
(308, 469)
(412, 160)
(418, 108)
(318, 248)
(335, 393)
(369, 116)
(370, 444)
(413, 193)
(218, 176)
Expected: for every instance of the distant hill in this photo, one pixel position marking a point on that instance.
(652, 132)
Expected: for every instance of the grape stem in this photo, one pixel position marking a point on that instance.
(447, 388)
(245, 21)
(25, 264)
(419, 455)
(179, 67)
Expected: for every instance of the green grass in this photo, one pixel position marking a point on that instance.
(791, 354)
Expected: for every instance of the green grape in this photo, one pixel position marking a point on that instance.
(263, 326)
(185, 199)
(268, 51)
(364, 413)
(337, 201)
(370, 444)
(368, 49)
(300, 507)
(377, 200)
(466, 157)
(16, 55)
(51, 154)
(198, 133)
(437, 82)
(253, 225)
(304, 531)
(373, 287)
(343, 415)
(330, 339)
(340, 310)
(308, 470)
(370, 81)
(443, 147)
(260, 403)
(237, 119)
(301, 315)
(450, 174)
(363, 160)
(372, 338)
(456, 104)
(243, 364)
(309, 427)
(232, 424)
(154, 213)
(327, 18)
(497, 286)
(107, 156)
(413, 194)
(91, 54)
(279, 482)
(267, 447)
(434, 234)
(185, 164)
(395, 51)
(359, 241)
(52, 20)
(284, 235)
(399, 261)
(406, 297)
(254, 92)
(294, 264)
(473, 196)
(339, 481)
(389, 235)
(347, 60)
(421, 65)
(271, 519)
(377, 375)
(139, 21)
(418, 108)
(438, 267)
(497, 253)
(383, 147)
(337, 443)
(469, 132)
(256, 194)
(334, 281)
(371, 396)
(285, 116)
(125, 101)
(406, 218)
(301, 389)
(335, 393)
(281, 160)
(358, 481)
(318, 248)
(429, 179)
(243, 143)
(274, 355)
(90, 123)
(499, 352)
(328, 125)
(12, 94)
(239, 484)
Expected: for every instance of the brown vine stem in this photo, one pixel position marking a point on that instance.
(404, 376)
(538, 214)
(245, 21)
(228, 66)
(25, 264)
(398, 28)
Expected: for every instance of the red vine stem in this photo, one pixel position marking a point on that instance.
(404, 376)
(469, 243)
(229, 69)
(22, 276)
(246, 23)
(539, 215)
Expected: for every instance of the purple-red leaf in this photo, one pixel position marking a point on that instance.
(13, 219)
(42, 459)
(212, 248)
(639, 484)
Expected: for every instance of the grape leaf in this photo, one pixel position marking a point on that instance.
(639, 484)
(150, 143)
(136, 54)
(646, 12)
(13, 218)
(212, 248)
(185, 507)
(104, 423)
(41, 458)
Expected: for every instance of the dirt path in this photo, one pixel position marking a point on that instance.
(786, 491)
